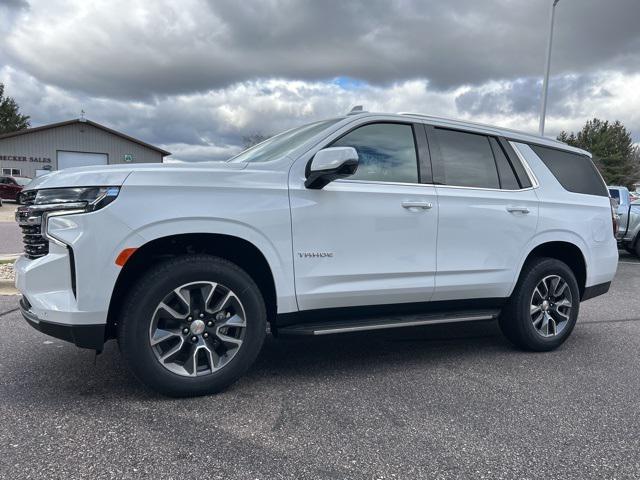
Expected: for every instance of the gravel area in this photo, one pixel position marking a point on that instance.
(6, 271)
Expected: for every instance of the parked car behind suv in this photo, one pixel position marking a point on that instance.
(10, 187)
(363, 222)
(627, 208)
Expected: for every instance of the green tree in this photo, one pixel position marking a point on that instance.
(249, 141)
(10, 117)
(612, 148)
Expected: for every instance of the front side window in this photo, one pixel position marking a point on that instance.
(466, 159)
(386, 152)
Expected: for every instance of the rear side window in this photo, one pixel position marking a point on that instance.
(614, 194)
(508, 180)
(575, 172)
(466, 159)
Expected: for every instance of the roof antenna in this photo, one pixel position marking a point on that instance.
(358, 109)
(82, 119)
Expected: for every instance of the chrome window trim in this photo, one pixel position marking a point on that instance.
(486, 188)
(437, 185)
(382, 182)
(525, 164)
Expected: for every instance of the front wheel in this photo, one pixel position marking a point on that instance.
(192, 325)
(544, 306)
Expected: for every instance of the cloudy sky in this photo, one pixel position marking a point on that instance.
(195, 76)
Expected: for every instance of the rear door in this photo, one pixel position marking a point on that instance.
(369, 239)
(488, 212)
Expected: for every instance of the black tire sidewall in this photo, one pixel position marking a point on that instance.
(524, 334)
(149, 292)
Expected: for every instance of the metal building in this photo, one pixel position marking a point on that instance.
(74, 143)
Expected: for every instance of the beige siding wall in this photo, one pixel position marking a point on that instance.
(77, 137)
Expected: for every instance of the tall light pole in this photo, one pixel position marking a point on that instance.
(545, 82)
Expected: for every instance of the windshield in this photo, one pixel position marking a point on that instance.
(22, 180)
(282, 144)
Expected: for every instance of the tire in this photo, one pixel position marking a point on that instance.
(206, 359)
(522, 324)
(636, 250)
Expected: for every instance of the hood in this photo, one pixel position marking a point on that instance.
(115, 175)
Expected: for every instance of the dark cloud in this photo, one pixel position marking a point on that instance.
(522, 96)
(15, 4)
(169, 48)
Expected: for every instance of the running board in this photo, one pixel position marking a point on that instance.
(381, 323)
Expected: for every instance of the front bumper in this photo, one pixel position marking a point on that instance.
(83, 336)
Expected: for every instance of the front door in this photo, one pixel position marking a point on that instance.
(369, 239)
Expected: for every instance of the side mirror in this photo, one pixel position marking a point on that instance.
(329, 164)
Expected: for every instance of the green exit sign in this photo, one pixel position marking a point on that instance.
(127, 157)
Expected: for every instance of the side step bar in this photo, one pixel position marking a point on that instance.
(381, 323)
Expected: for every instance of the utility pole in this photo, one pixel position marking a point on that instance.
(545, 82)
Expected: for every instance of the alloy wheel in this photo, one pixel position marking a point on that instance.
(550, 306)
(197, 328)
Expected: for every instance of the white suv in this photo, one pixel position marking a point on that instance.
(362, 222)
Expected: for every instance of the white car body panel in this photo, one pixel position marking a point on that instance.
(583, 220)
(380, 252)
(480, 241)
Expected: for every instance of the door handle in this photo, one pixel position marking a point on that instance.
(517, 210)
(417, 204)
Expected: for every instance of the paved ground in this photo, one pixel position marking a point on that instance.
(10, 237)
(446, 402)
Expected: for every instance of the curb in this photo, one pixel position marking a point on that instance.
(8, 287)
(9, 256)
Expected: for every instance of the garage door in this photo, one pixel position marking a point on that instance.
(79, 159)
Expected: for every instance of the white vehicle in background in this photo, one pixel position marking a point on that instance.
(362, 222)
(628, 210)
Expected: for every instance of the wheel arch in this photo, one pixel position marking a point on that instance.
(235, 249)
(565, 251)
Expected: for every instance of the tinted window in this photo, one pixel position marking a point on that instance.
(575, 172)
(466, 159)
(507, 175)
(614, 194)
(386, 152)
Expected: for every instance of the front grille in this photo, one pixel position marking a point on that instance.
(35, 245)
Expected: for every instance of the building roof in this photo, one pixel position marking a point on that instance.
(88, 122)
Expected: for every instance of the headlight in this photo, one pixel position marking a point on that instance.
(86, 199)
(37, 206)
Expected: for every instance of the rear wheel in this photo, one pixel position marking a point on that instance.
(543, 309)
(192, 325)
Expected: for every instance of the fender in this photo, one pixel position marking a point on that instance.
(280, 263)
(552, 236)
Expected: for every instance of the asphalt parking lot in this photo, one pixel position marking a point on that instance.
(432, 402)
